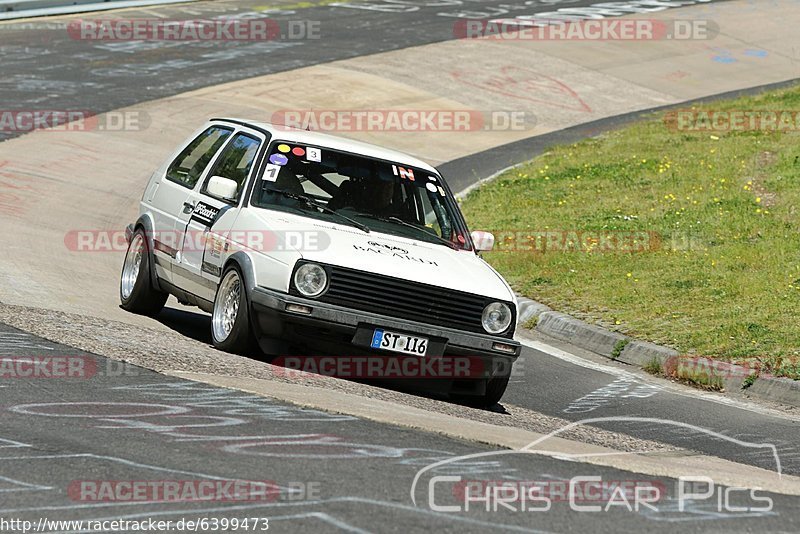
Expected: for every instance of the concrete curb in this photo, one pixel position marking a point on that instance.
(618, 347)
(581, 334)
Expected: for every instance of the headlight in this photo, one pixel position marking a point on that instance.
(496, 317)
(310, 279)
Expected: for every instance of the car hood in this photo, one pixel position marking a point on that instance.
(426, 263)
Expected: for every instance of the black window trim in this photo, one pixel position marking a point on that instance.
(261, 159)
(210, 162)
(237, 132)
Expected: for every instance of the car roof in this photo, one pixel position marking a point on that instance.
(306, 137)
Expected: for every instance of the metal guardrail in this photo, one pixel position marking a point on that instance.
(17, 9)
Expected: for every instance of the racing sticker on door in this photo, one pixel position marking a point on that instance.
(205, 214)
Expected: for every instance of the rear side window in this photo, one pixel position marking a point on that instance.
(190, 164)
(235, 162)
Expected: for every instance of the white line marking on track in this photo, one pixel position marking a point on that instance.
(675, 389)
(25, 486)
(356, 500)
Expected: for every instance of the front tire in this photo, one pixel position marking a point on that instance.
(136, 291)
(230, 318)
(495, 389)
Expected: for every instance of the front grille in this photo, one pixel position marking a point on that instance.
(403, 299)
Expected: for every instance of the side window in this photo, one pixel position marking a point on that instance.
(436, 217)
(235, 162)
(190, 164)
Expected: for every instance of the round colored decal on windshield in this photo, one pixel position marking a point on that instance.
(278, 159)
(297, 151)
(283, 148)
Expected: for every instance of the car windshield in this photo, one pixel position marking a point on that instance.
(372, 194)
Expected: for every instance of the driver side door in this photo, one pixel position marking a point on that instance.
(168, 194)
(206, 223)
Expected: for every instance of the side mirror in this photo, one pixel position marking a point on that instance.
(484, 241)
(222, 187)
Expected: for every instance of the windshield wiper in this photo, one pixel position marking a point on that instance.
(400, 221)
(309, 201)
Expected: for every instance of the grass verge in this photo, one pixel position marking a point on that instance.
(688, 239)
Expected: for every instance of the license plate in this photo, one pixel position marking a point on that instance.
(395, 342)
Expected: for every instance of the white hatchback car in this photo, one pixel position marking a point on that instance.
(290, 236)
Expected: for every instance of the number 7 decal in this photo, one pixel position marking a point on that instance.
(271, 172)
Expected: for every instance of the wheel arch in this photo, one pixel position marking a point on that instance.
(145, 223)
(245, 264)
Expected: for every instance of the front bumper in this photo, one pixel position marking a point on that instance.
(338, 326)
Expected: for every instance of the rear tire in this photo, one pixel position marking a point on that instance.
(230, 318)
(136, 291)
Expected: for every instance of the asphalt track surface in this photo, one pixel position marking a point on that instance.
(40, 455)
(559, 387)
(326, 472)
(580, 386)
(51, 69)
